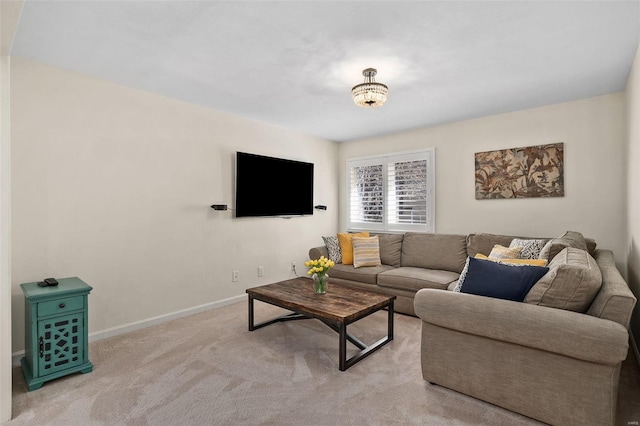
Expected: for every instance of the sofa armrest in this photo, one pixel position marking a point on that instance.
(316, 252)
(567, 333)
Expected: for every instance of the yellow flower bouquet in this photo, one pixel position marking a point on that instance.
(318, 270)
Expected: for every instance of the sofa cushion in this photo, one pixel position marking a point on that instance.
(572, 282)
(499, 280)
(556, 245)
(363, 275)
(434, 251)
(333, 248)
(530, 248)
(410, 278)
(346, 247)
(390, 248)
(366, 251)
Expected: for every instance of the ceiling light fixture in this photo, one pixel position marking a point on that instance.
(369, 94)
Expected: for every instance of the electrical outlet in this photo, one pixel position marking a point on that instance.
(235, 276)
(261, 271)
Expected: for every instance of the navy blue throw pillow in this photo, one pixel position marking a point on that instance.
(493, 279)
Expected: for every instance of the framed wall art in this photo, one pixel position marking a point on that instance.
(533, 171)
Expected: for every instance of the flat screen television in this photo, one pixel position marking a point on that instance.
(269, 186)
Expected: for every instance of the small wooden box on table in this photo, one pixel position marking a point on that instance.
(338, 308)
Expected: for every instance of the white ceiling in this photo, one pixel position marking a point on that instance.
(293, 63)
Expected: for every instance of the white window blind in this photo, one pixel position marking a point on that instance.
(392, 192)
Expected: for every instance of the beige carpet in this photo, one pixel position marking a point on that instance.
(207, 369)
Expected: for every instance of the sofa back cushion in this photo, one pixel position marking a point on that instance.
(572, 282)
(556, 245)
(447, 252)
(390, 248)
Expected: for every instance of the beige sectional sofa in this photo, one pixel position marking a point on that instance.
(410, 262)
(414, 260)
(556, 365)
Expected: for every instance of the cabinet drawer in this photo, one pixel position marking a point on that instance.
(60, 305)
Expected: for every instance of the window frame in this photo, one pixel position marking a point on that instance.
(427, 154)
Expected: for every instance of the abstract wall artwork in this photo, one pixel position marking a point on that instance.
(533, 171)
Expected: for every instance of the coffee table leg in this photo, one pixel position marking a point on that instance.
(390, 321)
(342, 331)
(250, 313)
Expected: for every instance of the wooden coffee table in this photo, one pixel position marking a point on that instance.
(339, 307)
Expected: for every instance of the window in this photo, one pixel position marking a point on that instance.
(393, 192)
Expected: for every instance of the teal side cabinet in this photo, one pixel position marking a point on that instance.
(56, 330)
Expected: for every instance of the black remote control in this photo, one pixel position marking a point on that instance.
(51, 281)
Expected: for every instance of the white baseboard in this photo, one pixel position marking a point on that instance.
(115, 331)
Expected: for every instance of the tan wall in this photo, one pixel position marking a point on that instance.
(633, 188)
(594, 203)
(113, 185)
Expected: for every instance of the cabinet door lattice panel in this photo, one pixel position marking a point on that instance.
(60, 343)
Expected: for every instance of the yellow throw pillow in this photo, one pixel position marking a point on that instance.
(502, 252)
(532, 262)
(346, 246)
(366, 251)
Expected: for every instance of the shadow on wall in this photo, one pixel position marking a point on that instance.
(633, 278)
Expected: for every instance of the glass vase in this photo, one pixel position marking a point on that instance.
(320, 283)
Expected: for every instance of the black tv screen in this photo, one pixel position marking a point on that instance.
(269, 186)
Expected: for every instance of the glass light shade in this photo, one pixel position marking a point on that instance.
(369, 94)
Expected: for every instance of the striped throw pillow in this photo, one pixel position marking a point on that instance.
(366, 251)
(502, 252)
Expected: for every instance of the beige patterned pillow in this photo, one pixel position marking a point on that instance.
(502, 252)
(366, 251)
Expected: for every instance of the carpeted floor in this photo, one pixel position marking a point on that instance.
(207, 369)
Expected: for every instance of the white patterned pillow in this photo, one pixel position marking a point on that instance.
(333, 247)
(463, 275)
(530, 248)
